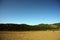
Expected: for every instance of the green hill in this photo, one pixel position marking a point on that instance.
(25, 27)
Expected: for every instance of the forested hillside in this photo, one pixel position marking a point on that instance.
(25, 27)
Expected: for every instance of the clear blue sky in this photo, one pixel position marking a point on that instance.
(29, 11)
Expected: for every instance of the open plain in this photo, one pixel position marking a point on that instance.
(29, 35)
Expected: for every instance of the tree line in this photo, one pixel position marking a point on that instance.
(26, 27)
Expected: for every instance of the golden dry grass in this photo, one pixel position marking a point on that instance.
(30, 35)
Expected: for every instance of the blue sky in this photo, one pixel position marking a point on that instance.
(29, 11)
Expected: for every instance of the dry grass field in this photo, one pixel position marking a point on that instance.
(30, 35)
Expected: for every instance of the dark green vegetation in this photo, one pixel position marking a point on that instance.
(25, 27)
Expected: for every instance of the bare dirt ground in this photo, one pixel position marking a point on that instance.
(30, 35)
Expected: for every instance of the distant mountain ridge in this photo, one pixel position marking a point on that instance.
(26, 27)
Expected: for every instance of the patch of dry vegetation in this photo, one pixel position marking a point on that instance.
(30, 35)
